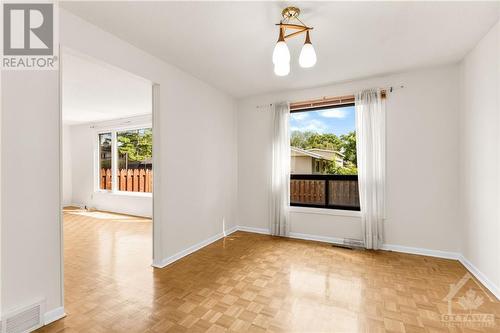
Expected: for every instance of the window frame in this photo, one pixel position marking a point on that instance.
(326, 178)
(98, 163)
(323, 107)
(114, 158)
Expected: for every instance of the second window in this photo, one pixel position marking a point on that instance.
(125, 160)
(323, 162)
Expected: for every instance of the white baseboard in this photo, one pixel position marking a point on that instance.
(295, 235)
(495, 290)
(421, 251)
(230, 230)
(74, 205)
(254, 230)
(333, 240)
(53, 315)
(167, 261)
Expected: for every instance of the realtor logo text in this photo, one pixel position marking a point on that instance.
(29, 36)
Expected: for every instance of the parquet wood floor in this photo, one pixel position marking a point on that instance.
(250, 283)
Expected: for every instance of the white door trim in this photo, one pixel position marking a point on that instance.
(157, 248)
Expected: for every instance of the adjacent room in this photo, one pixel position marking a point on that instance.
(107, 170)
(107, 137)
(254, 167)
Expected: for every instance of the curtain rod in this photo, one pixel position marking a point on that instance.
(325, 101)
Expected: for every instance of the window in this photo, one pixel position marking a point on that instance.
(323, 158)
(316, 163)
(105, 161)
(125, 160)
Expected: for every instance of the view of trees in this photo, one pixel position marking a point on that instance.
(105, 150)
(135, 146)
(345, 144)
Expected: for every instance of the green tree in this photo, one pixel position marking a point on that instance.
(349, 147)
(345, 144)
(333, 169)
(135, 146)
(310, 140)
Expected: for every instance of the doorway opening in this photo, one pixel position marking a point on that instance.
(108, 168)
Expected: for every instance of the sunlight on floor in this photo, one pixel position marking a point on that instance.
(106, 216)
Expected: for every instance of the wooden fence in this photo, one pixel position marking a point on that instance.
(344, 193)
(130, 180)
(307, 191)
(329, 191)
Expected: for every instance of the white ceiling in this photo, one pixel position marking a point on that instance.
(229, 44)
(94, 91)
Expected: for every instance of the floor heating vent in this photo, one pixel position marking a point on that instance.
(342, 246)
(24, 320)
(353, 243)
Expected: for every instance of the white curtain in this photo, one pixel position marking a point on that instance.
(370, 147)
(280, 174)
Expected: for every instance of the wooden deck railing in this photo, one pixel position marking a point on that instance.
(130, 180)
(325, 191)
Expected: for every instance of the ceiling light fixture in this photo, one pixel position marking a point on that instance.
(281, 54)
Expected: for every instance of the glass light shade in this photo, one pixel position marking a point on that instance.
(282, 69)
(307, 56)
(281, 54)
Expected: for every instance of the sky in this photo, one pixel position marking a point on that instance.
(337, 121)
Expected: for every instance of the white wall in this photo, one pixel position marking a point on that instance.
(83, 150)
(197, 130)
(31, 253)
(422, 161)
(480, 154)
(67, 166)
(197, 127)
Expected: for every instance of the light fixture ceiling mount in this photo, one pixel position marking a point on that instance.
(290, 12)
(281, 54)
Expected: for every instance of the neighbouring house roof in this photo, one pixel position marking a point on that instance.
(327, 151)
(302, 152)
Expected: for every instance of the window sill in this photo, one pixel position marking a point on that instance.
(325, 211)
(126, 194)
